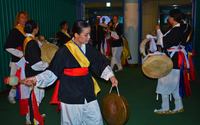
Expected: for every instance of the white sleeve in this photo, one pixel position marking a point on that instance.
(45, 79)
(40, 66)
(15, 52)
(152, 45)
(114, 35)
(149, 36)
(107, 73)
(159, 38)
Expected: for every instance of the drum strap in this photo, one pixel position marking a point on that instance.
(117, 90)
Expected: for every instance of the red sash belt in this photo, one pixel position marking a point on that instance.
(68, 72)
(76, 71)
(19, 48)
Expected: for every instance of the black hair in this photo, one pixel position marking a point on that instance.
(79, 25)
(30, 26)
(63, 23)
(176, 14)
(116, 16)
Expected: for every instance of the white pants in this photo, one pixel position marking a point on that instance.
(177, 101)
(116, 57)
(13, 70)
(24, 90)
(170, 85)
(39, 93)
(81, 114)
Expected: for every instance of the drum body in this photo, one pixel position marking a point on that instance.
(115, 109)
(157, 65)
(144, 45)
(48, 51)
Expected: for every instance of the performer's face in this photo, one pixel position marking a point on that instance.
(110, 24)
(115, 19)
(170, 20)
(65, 27)
(84, 36)
(36, 30)
(23, 19)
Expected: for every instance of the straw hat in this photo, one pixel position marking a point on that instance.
(157, 66)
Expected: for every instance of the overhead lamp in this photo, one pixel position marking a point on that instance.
(108, 4)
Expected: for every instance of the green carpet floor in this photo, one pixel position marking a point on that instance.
(135, 87)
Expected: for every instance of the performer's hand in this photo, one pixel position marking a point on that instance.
(157, 27)
(114, 81)
(30, 81)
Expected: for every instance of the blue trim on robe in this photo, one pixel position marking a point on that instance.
(181, 84)
(18, 93)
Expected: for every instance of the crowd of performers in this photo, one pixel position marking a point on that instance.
(109, 39)
(177, 44)
(25, 62)
(71, 67)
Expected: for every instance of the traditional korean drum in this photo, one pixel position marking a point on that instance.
(144, 47)
(155, 65)
(115, 109)
(48, 51)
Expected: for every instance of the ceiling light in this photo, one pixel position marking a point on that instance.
(108, 4)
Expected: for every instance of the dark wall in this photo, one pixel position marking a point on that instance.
(197, 36)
